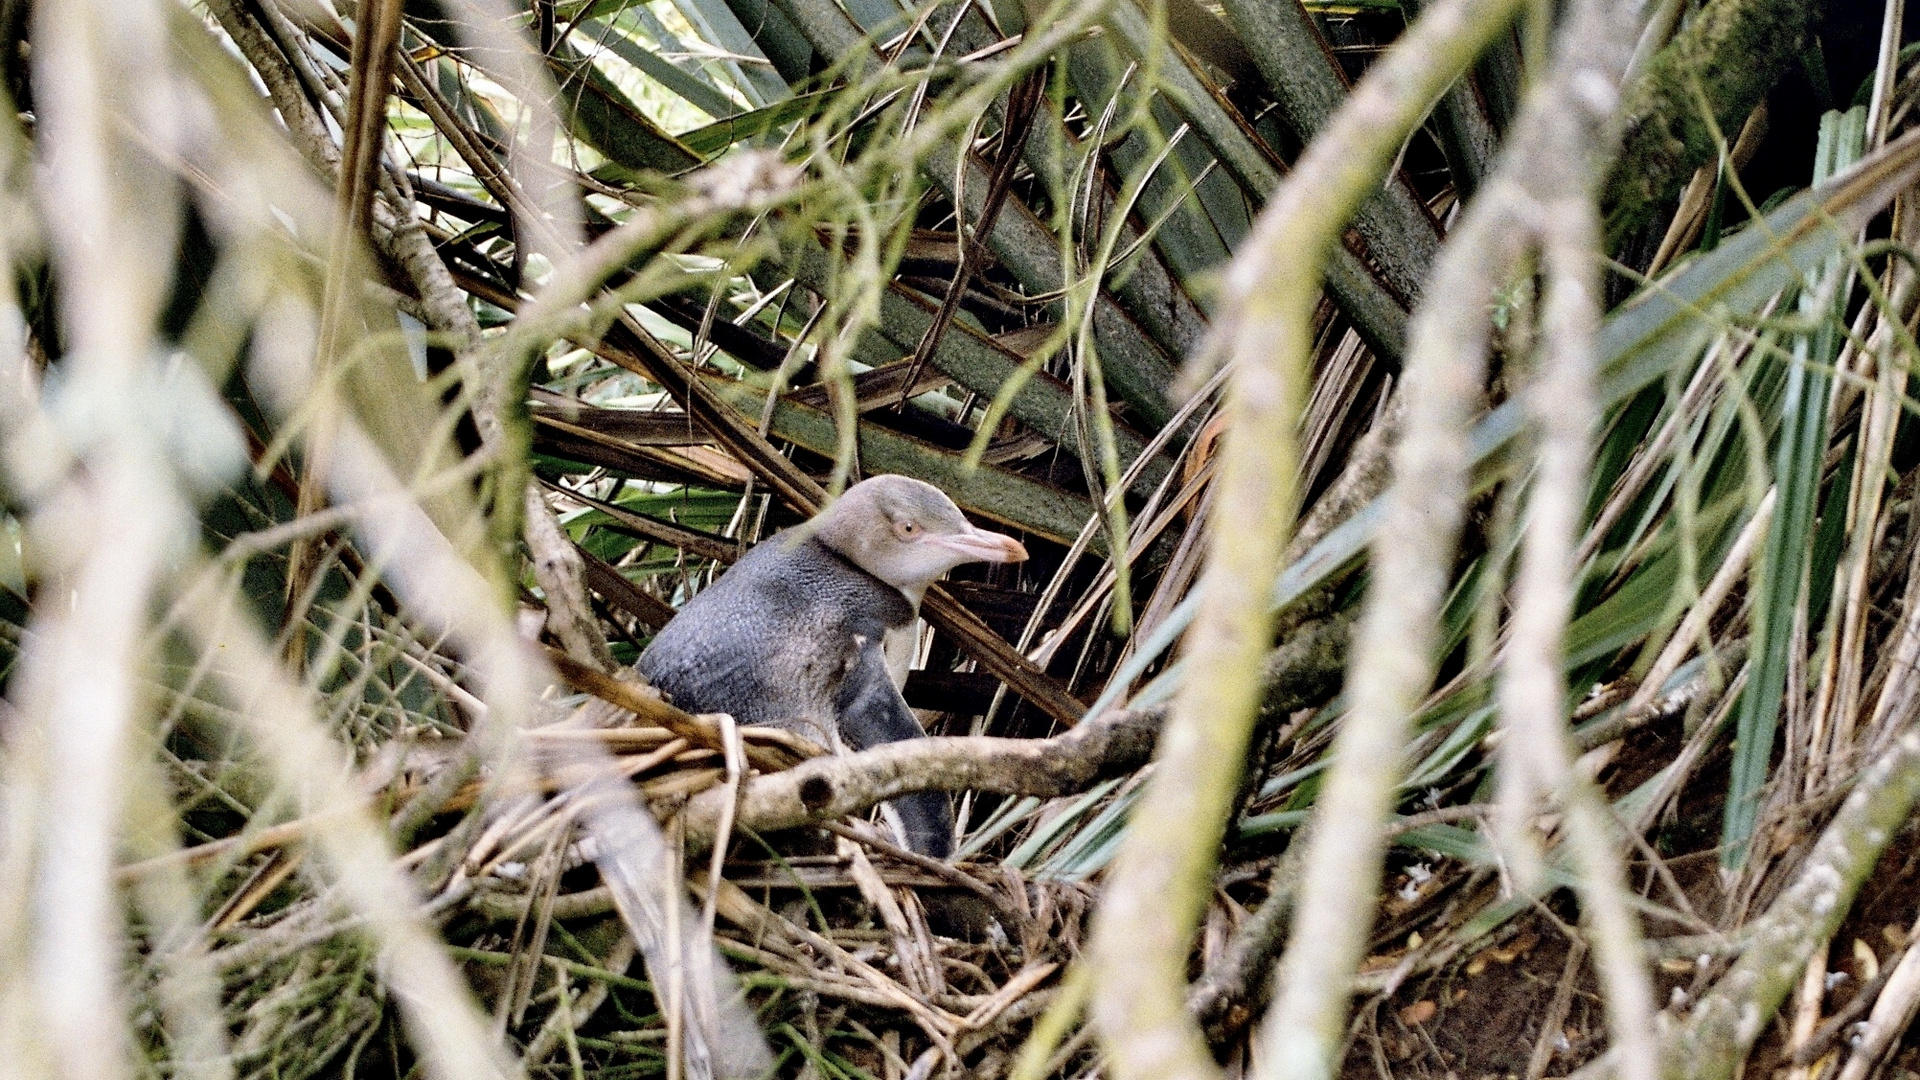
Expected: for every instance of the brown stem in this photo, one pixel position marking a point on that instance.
(562, 575)
(357, 182)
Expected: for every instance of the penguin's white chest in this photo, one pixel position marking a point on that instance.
(900, 645)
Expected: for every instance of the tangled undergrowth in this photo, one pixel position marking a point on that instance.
(1437, 659)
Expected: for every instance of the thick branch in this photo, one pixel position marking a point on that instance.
(1116, 743)
(1723, 1027)
(1729, 55)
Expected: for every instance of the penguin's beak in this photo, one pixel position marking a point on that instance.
(979, 545)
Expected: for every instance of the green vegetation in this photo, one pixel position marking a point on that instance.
(1466, 450)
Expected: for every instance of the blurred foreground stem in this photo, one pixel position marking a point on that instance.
(1161, 879)
(1542, 193)
(356, 186)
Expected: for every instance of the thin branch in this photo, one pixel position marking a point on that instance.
(1537, 758)
(562, 574)
(355, 188)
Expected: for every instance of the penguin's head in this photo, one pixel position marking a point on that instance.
(907, 533)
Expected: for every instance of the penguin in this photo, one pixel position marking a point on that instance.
(800, 632)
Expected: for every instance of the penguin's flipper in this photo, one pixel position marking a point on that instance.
(872, 712)
(713, 656)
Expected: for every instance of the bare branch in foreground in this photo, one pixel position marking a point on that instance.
(1162, 878)
(825, 788)
(1723, 1026)
(1559, 149)
(1537, 758)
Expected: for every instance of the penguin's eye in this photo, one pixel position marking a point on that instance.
(907, 529)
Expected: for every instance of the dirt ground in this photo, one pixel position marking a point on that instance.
(1514, 1007)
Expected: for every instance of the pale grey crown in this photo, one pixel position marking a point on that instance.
(907, 533)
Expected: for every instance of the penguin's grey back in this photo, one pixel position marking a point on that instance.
(771, 641)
